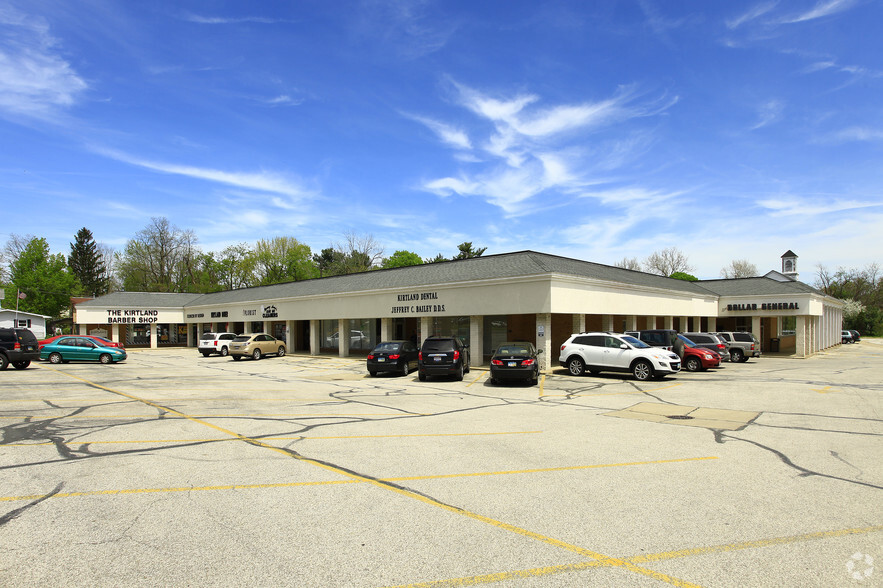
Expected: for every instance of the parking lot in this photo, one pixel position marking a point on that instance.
(173, 469)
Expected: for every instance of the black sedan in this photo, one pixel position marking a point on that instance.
(393, 356)
(515, 361)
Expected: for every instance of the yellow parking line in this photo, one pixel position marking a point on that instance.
(605, 559)
(295, 438)
(567, 568)
(477, 378)
(211, 416)
(355, 481)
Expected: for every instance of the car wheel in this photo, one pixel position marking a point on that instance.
(372, 373)
(576, 366)
(237, 357)
(20, 365)
(494, 381)
(4, 362)
(406, 368)
(736, 355)
(206, 353)
(105, 358)
(642, 371)
(460, 373)
(421, 376)
(54, 358)
(256, 354)
(693, 364)
(744, 359)
(224, 351)
(281, 352)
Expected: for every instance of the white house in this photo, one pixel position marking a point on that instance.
(24, 320)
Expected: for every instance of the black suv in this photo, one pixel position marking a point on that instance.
(18, 347)
(443, 356)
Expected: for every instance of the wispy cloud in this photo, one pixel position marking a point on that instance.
(35, 81)
(820, 10)
(264, 181)
(858, 134)
(768, 113)
(794, 206)
(531, 149)
(447, 133)
(752, 14)
(221, 20)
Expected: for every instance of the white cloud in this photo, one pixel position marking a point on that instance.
(821, 10)
(447, 133)
(859, 134)
(794, 206)
(768, 113)
(753, 13)
(264, 181)
(35, 81)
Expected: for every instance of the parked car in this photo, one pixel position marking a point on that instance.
(658, 337)
(443, 356)
(100, 340)
(256, 345)
(515, 361)
(743, 345)
(393, 356)
(846, 337)
(18, 347)
(712, 342)
(698, 358)
(855, 335)
(358, 340)
(78, 348)
(611, 352)
(215, 343)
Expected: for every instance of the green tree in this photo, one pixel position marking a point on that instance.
(87, 264)
(402, 259)
(438, 258)
(329, 261)
(467, 251)
(283, 259)
(160, 258)
(43, 278)
(684, 276)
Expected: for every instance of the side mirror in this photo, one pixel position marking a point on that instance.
(539, 351)
(623, 346)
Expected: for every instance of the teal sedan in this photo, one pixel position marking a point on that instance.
(65, 349)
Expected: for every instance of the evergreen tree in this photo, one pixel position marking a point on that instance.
(87, 264)
(44, 280)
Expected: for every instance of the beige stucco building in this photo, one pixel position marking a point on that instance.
(485, 300)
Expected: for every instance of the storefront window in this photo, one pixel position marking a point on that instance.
(457, 326)
(328, 335)
(496, 331)
(363, 334)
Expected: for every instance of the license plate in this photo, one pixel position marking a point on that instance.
(437, 359)
(513, 364)
(381, 359)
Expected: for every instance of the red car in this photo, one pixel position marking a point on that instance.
(698, 358)
(98, 340)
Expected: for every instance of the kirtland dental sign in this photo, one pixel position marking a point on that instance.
(765, 306)
(420, 297)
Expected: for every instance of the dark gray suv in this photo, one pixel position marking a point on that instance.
(18, 347)
(443, 356)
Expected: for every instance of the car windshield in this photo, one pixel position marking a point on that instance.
(208, 335)
(387, 348)
(242, 338)
(686, 341)
(637, 343)
(513, 350)
(438, 345)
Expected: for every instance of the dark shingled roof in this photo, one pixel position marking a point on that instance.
(757, 286)
(506, 265)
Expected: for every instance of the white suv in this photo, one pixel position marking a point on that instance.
(613, 352)
(215, 343)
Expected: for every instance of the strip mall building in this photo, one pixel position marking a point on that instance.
(485, 300)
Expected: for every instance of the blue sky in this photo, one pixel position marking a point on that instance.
(595, 130)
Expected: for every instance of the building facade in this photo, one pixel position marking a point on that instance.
(485, 300)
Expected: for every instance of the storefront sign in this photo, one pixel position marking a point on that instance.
(417, 308)
(765, 306)
(249, 313)
(132, 317)
(269, 311)
(196, 315)
(219, 314)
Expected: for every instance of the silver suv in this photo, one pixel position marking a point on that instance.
(215, 343)
(711, 341)
(613, 352)
(742, 345)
